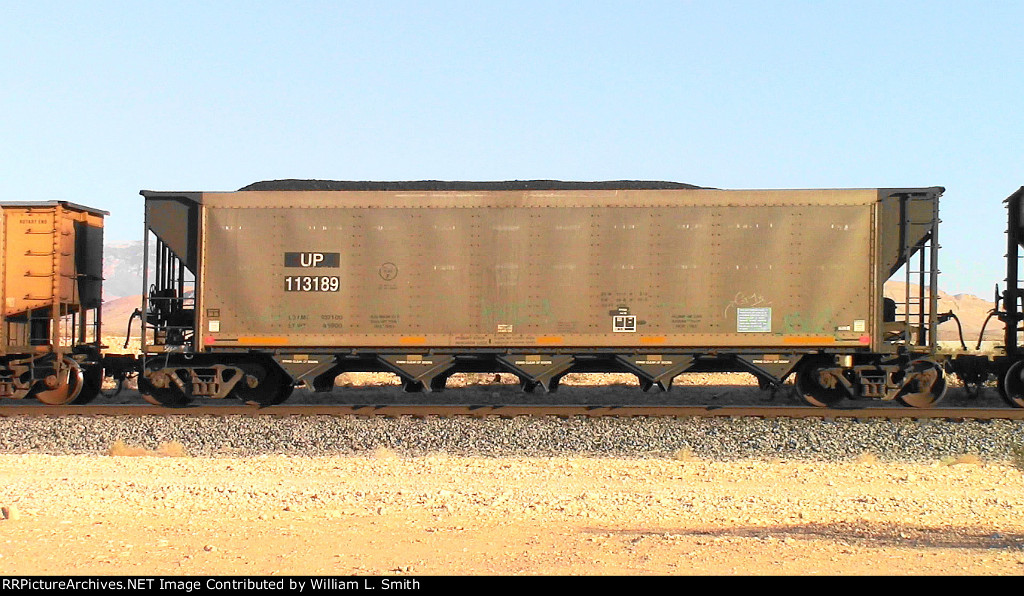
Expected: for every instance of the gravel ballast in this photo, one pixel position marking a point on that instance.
(715, 438)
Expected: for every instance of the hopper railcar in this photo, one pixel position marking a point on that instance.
(51, 268)
(293, 282)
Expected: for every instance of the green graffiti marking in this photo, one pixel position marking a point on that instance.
(798, 322)
(518, 313)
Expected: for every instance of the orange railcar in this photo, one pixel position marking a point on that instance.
(51, 279)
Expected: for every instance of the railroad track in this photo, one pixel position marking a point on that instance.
(508, 411)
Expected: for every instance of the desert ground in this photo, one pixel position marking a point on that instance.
(163, 512)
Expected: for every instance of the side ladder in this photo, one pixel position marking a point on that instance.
(919, 225)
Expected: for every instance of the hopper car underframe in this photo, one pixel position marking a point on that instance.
(267, 377)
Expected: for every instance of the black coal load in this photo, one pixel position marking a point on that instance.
(444, 185)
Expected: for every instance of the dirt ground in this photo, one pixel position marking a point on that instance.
(382, 514)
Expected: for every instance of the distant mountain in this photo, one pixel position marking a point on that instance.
(970, 309)
(122, 270)
(115, 319)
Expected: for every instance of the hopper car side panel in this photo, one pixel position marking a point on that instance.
(698, 274)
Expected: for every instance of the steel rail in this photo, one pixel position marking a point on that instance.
(508, 411)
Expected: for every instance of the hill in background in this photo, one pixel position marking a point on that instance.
(970, 309)
(122, 270)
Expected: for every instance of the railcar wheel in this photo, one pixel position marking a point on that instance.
(171, 396)
(118, 387)
(263, 384)
(91, 386)
(817, 389)
(67, 385)
(928, 386)
(1012, 386)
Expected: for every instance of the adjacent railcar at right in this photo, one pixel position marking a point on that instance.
(1006, 361)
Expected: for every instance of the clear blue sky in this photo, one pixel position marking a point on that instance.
(102, 99)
